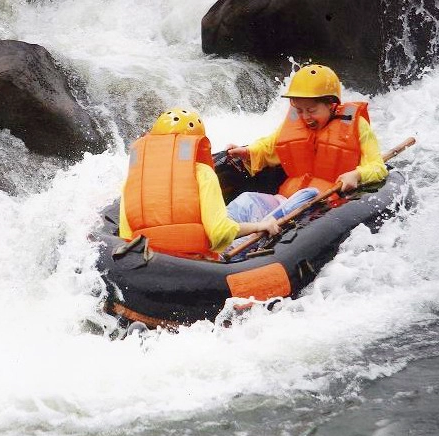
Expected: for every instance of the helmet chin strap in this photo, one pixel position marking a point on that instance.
(334, 114)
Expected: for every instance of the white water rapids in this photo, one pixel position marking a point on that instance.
(358, 321)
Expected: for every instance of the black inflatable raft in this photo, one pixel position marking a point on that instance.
(158, 289)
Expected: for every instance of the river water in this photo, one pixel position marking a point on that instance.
(356, 355)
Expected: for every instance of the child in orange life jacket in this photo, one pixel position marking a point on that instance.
(321, 140)
(172, 194)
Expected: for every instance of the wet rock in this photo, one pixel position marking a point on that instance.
(38, 107)
(23, 172)
(377, 43)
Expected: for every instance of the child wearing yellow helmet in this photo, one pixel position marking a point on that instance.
(172, 194)
(321, 140)
(179, 121)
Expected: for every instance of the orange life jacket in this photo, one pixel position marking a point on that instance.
(317, 158)
(161, 192)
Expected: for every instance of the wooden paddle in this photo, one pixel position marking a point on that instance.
(255, 237)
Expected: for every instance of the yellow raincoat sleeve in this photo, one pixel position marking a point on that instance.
(263, 153)
(219, 228)
(372, 167)
(125, 231)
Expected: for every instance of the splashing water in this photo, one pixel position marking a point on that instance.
(354, 323)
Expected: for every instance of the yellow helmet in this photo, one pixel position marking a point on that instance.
(314, 81)
(178, 121)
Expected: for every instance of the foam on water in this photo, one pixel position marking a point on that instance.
(55, 379)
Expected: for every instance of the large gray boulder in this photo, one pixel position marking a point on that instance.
(37, 106)
(376, 43)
